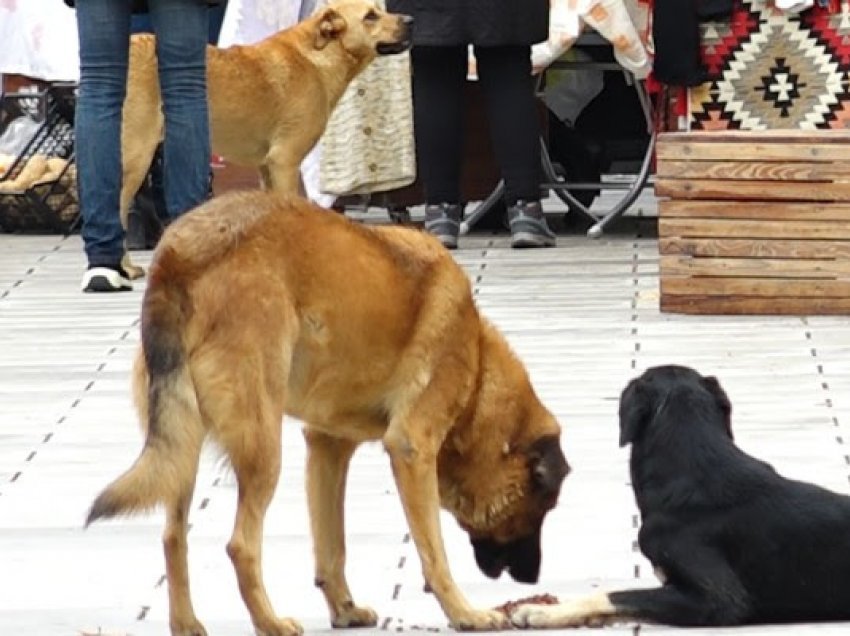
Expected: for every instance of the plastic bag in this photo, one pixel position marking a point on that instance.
(568, 92)
(17, 135)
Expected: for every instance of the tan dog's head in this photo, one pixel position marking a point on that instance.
(514, 542)
(363, 29)
(501, 478)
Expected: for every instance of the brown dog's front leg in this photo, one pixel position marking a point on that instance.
(281, 172)
(328, 459)
(414, 466)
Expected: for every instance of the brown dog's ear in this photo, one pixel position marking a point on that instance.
(548, 465)
(331, 25)
(713, 385)
(635, 410)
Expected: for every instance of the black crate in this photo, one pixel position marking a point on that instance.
(49, 204)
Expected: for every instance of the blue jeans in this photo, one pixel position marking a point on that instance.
(181, 28)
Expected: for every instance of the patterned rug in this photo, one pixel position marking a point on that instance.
(772, 69)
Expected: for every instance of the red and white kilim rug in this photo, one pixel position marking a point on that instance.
(770, 69)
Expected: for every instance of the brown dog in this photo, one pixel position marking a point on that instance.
(269, 102)
(259, 305)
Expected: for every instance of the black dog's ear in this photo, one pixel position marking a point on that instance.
(635, 410)
(712, 384)
(548, 465)
(331, 25)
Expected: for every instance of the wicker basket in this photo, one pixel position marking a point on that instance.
(49, 205)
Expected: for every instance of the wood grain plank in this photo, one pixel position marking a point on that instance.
(753, 248)
(779, 210)
(779, 306)
(738, 170)
(775, 136)
(672, 265)
(773, 145)
(752, 190)
(744, 228)
(752, 151)
(757, 287)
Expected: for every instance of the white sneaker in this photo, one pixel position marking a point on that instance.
(105, 279)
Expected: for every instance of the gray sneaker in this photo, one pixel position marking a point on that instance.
(443, 221)
(528, 225)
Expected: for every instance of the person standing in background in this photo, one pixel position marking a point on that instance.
(501, 33)
(148, 214)
(181, 28)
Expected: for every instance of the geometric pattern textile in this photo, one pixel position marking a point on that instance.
(769, 69)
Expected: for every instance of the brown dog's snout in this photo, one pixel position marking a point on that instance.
(406, 27)
(402, 37)
(521, 557)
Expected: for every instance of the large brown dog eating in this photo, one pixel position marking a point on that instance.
(259, 305)
(269, 102)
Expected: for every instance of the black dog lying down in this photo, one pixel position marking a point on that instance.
(732, 541)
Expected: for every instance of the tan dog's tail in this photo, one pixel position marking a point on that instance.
(165, 470)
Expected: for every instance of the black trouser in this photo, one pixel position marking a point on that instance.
(439, 75)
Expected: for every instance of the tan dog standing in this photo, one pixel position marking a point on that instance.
(270, 101)
(259, 305)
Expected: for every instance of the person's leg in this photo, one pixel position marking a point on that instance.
(505, 75)
(216, 18)
(439, 74)
(104, 32)
(181, 28)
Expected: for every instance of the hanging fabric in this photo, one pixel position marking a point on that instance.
(368, 145)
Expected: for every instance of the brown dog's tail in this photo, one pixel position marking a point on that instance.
(165, 470)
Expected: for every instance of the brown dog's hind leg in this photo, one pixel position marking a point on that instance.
(328, 459)
(254, 452)
(136, 159)
(182, 617)
(134, 175)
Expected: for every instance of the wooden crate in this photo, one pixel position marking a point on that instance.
(754, 222)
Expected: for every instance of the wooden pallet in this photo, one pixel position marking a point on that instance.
(754, 222)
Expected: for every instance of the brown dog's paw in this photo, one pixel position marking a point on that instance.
(280, 627)
(191, 627)
(356, 617)
(133, 271)
(481, 620)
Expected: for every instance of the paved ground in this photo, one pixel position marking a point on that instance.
(583, 316)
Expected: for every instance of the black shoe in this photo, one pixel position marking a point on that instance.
(528, 225)
(443, 221)
(103, 278)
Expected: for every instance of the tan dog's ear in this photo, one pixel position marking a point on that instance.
(331, 25)
(548, 465)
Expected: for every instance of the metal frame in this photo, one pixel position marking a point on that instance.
(632, 185)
